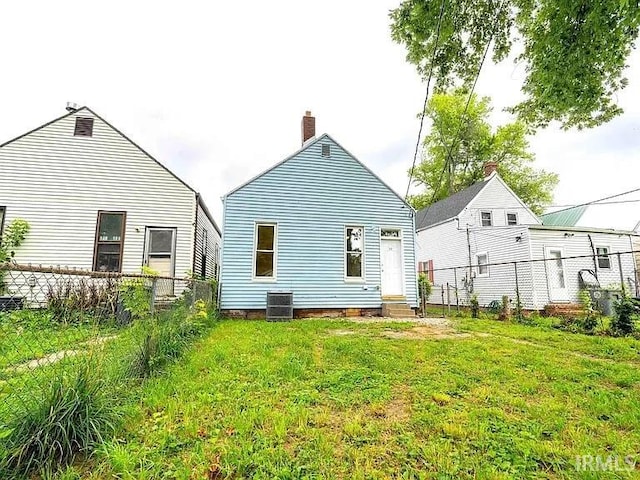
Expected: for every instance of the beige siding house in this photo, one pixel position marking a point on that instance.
(97, 201)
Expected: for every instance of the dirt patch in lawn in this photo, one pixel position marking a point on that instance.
(424, 331)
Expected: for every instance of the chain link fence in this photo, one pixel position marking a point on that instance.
(52, 319)
(553, 283)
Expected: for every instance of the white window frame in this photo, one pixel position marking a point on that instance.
(490, 218)
(478, 274)
(607, 256)
(273, 278)
(507, 219)
(345, 256)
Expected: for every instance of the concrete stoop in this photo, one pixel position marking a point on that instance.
(397, 310)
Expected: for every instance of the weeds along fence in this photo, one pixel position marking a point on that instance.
(53, 320)
(554, 280)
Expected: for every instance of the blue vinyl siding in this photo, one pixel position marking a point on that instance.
(312, 198)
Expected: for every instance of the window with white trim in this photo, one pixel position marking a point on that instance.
(354, 250)
(265, 251)
(486, 219)
(512, 218)
(482, 260)
(604, 261)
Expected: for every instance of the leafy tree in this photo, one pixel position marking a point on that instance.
(472, 143)
(574, 51)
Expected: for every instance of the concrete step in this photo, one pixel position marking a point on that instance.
(397, 310)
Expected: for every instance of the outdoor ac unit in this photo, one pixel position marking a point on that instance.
(279, 306)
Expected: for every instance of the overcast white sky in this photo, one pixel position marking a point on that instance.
(216, 90)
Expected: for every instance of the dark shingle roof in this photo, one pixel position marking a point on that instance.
(448, 207)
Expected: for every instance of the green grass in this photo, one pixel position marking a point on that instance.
(327, 399)
(30, 334)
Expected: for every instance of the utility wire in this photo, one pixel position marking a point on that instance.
(567, 207)
(599, 200)
(462, 118)
(426, 97)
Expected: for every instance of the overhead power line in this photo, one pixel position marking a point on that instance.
(618, 202)
(594, 202)
(426, 96)
(462, 119)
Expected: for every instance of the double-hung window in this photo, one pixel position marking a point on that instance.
(265, 251)
(482, 260)
(604, 261)
(485, 219)
(354, 250)
(109, 243)
(512, 218)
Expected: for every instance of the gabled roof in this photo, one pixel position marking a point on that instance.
(564, 218)
(308, 144)
(449, 207)
(73, 112)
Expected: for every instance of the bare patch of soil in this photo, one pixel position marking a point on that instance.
(424, 331)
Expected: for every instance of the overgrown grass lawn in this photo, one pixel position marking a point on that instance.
(331, 399)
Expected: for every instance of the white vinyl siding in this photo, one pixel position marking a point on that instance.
(499, 200)
(206, 248)
(578, 245)
(58, 182)
(447, 246)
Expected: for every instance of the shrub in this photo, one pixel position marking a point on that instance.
(135, 296)
(424, 286)
(70, 300)
(166, 339)
(14, 235)
(72, 417)
(475, 306)
(505, 309)
(622, 321)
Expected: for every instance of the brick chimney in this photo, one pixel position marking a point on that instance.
(490, 167)
(308, 126)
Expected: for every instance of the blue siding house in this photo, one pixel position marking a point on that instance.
(321, 225)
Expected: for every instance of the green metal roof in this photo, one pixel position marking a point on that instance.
(563, 218)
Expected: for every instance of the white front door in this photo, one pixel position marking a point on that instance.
(391, 265)
(556, 277)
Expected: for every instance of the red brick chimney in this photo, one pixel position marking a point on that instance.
(308, 126)
(490, 167)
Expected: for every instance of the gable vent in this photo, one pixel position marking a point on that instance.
(84, 127)
(326, 150)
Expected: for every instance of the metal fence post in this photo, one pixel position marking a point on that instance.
(442, 294)
(455, 279)
(518, 303)
(152, 301)
(448, 299)
(621, 275)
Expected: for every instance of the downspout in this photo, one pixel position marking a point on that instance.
(470, 282)
(595, 260)
(195, 236)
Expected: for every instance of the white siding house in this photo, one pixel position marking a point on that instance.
(321, 225)
(470, 241)
(96, 201)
